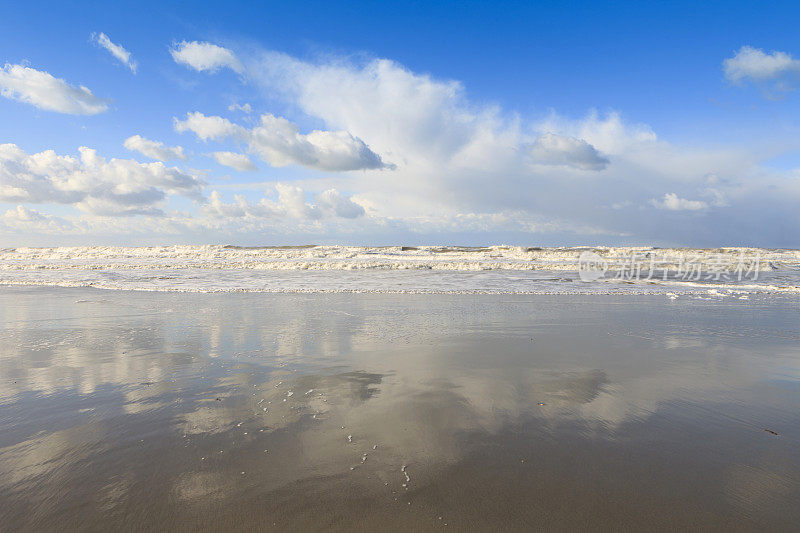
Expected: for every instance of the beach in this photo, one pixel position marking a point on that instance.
(408, 266)
(153, 410)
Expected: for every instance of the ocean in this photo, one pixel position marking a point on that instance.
(405, 269)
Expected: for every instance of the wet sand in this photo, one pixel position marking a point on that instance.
(361, 412)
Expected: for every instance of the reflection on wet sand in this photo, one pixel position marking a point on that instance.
(393, 411)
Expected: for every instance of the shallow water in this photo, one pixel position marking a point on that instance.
(148, 411)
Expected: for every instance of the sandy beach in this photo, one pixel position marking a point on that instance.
(127, 410)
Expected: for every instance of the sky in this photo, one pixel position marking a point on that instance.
(547, 123)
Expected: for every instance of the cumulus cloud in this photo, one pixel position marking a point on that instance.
(426, 126)
(22, 218)
(209, 128)
(552, 149)
(450, 153)
(290, 203)
(235, 161)
(775, 73)
(607, 133)
(280, 143)
(154, 149)
(463, 166)
(90, 182)
(116, 50)
(332, 201)
(454, 155)
(23, 214)
(395, 110)
(47, 92)
(671, 202)
(216, 207)
(206, 57)
(753, 64)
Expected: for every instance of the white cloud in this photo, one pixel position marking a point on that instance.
(47, 92)
(396, 111)
(245, 108)
(22, 218)
(607, 133)
(753, 64)
(216, 207)
(205, 56)
(236, 161)
(332, 201)
(455, 156)
(552, 149)
(116, 50)
(450, 154)
(154, 149)
(209, 128)
(290, 203)
(280, 143)
(90, 182)
(671, 202)
(466, 168)
(22, 214)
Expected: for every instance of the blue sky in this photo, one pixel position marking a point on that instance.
(551, 123)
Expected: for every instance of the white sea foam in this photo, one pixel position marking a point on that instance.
(423, 269)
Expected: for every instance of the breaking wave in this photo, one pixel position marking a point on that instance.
(449, 269)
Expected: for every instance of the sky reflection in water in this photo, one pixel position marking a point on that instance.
(228, 410)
